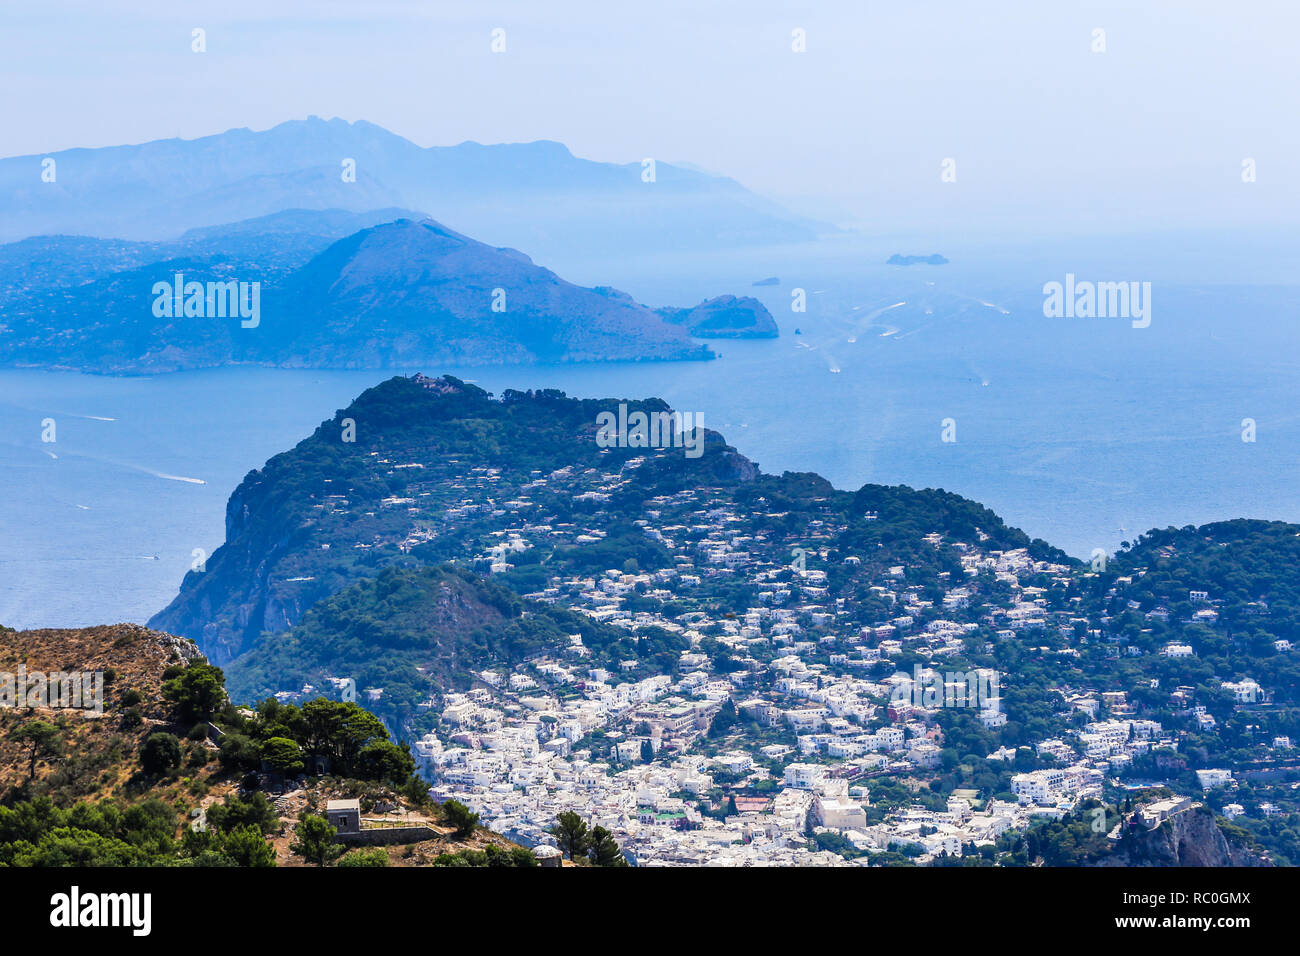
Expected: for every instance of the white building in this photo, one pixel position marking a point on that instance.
(805, 776)
(1209, 779)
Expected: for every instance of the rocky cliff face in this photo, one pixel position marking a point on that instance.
(1191, 838)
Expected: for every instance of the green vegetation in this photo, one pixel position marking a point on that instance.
(491, 855)
(416, 632)
(326, 735)
(314, 840)
(322, 736)
(570, 832)
(241, 811)
(41, 741)
(603, 849)
(161, 752)
(109, 833)
(576, 841)
(198, 691)
(460, 817)
(374, 856)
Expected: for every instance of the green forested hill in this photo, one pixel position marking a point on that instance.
(330, 511)
(439, 466)
(418, 631)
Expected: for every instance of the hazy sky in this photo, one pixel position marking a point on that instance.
(1046, 134)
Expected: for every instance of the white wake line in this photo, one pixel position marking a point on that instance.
(55, 413)
(992, 306)
(159, 474)
(882, 311)
(140, 468)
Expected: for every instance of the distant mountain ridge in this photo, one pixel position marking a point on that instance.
(397, 294)
(277, 242)
(536, 196)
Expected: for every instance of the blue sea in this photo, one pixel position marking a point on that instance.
(1084, 432)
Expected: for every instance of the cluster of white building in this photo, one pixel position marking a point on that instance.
(520, 747)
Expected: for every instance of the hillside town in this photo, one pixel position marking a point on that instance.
(827, 715)
(808, 676)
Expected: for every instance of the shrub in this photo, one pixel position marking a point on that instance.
(375, 856)
(160, 753)
(459, 816)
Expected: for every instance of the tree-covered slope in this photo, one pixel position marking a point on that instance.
(440, 470)
(416, 632)
(432, 465)
(165, 771)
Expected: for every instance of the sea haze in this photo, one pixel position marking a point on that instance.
(1084, 432)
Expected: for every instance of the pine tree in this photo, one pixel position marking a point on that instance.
(604, 849)
(570, 832)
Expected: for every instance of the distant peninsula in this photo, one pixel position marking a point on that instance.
(725, 317)
(328, 289)
(933, 259)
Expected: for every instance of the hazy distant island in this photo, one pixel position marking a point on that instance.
(725, 317)
(934, 259)
(770, 280)
(264, 254)
(536, 196)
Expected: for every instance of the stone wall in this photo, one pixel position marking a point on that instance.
(384, 836)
